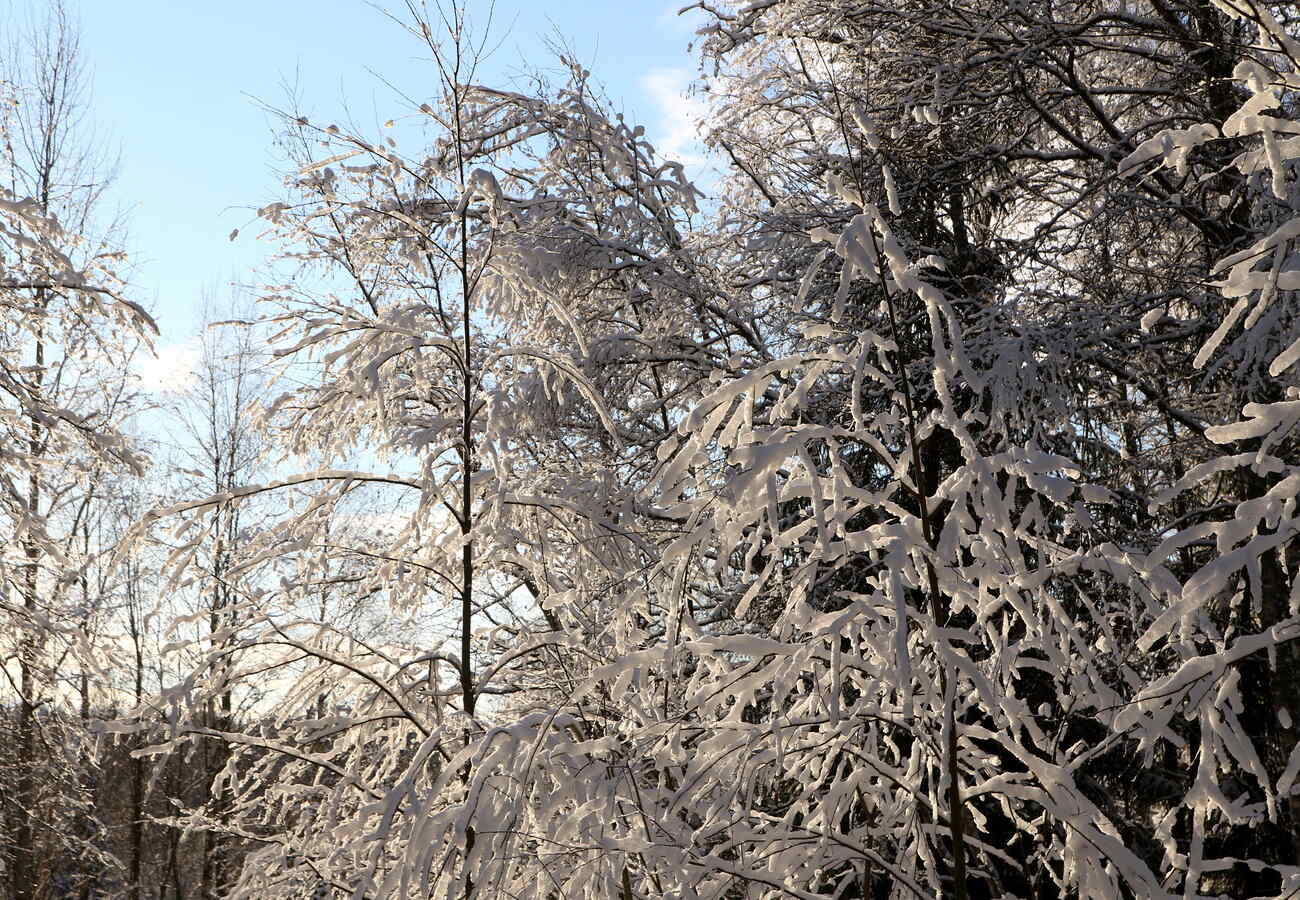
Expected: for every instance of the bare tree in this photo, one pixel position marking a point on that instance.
(221, 447)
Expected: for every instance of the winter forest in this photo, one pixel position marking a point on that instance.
(907, 508)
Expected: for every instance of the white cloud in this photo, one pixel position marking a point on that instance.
(171, 370)
(676, 133)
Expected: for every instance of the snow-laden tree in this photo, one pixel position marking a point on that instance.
(65, 336)
(62, 454)
(1007, 362)
(965, 596)
(482, 347)
(921, 525)
(63, 324)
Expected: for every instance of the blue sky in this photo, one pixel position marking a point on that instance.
(177, 85)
